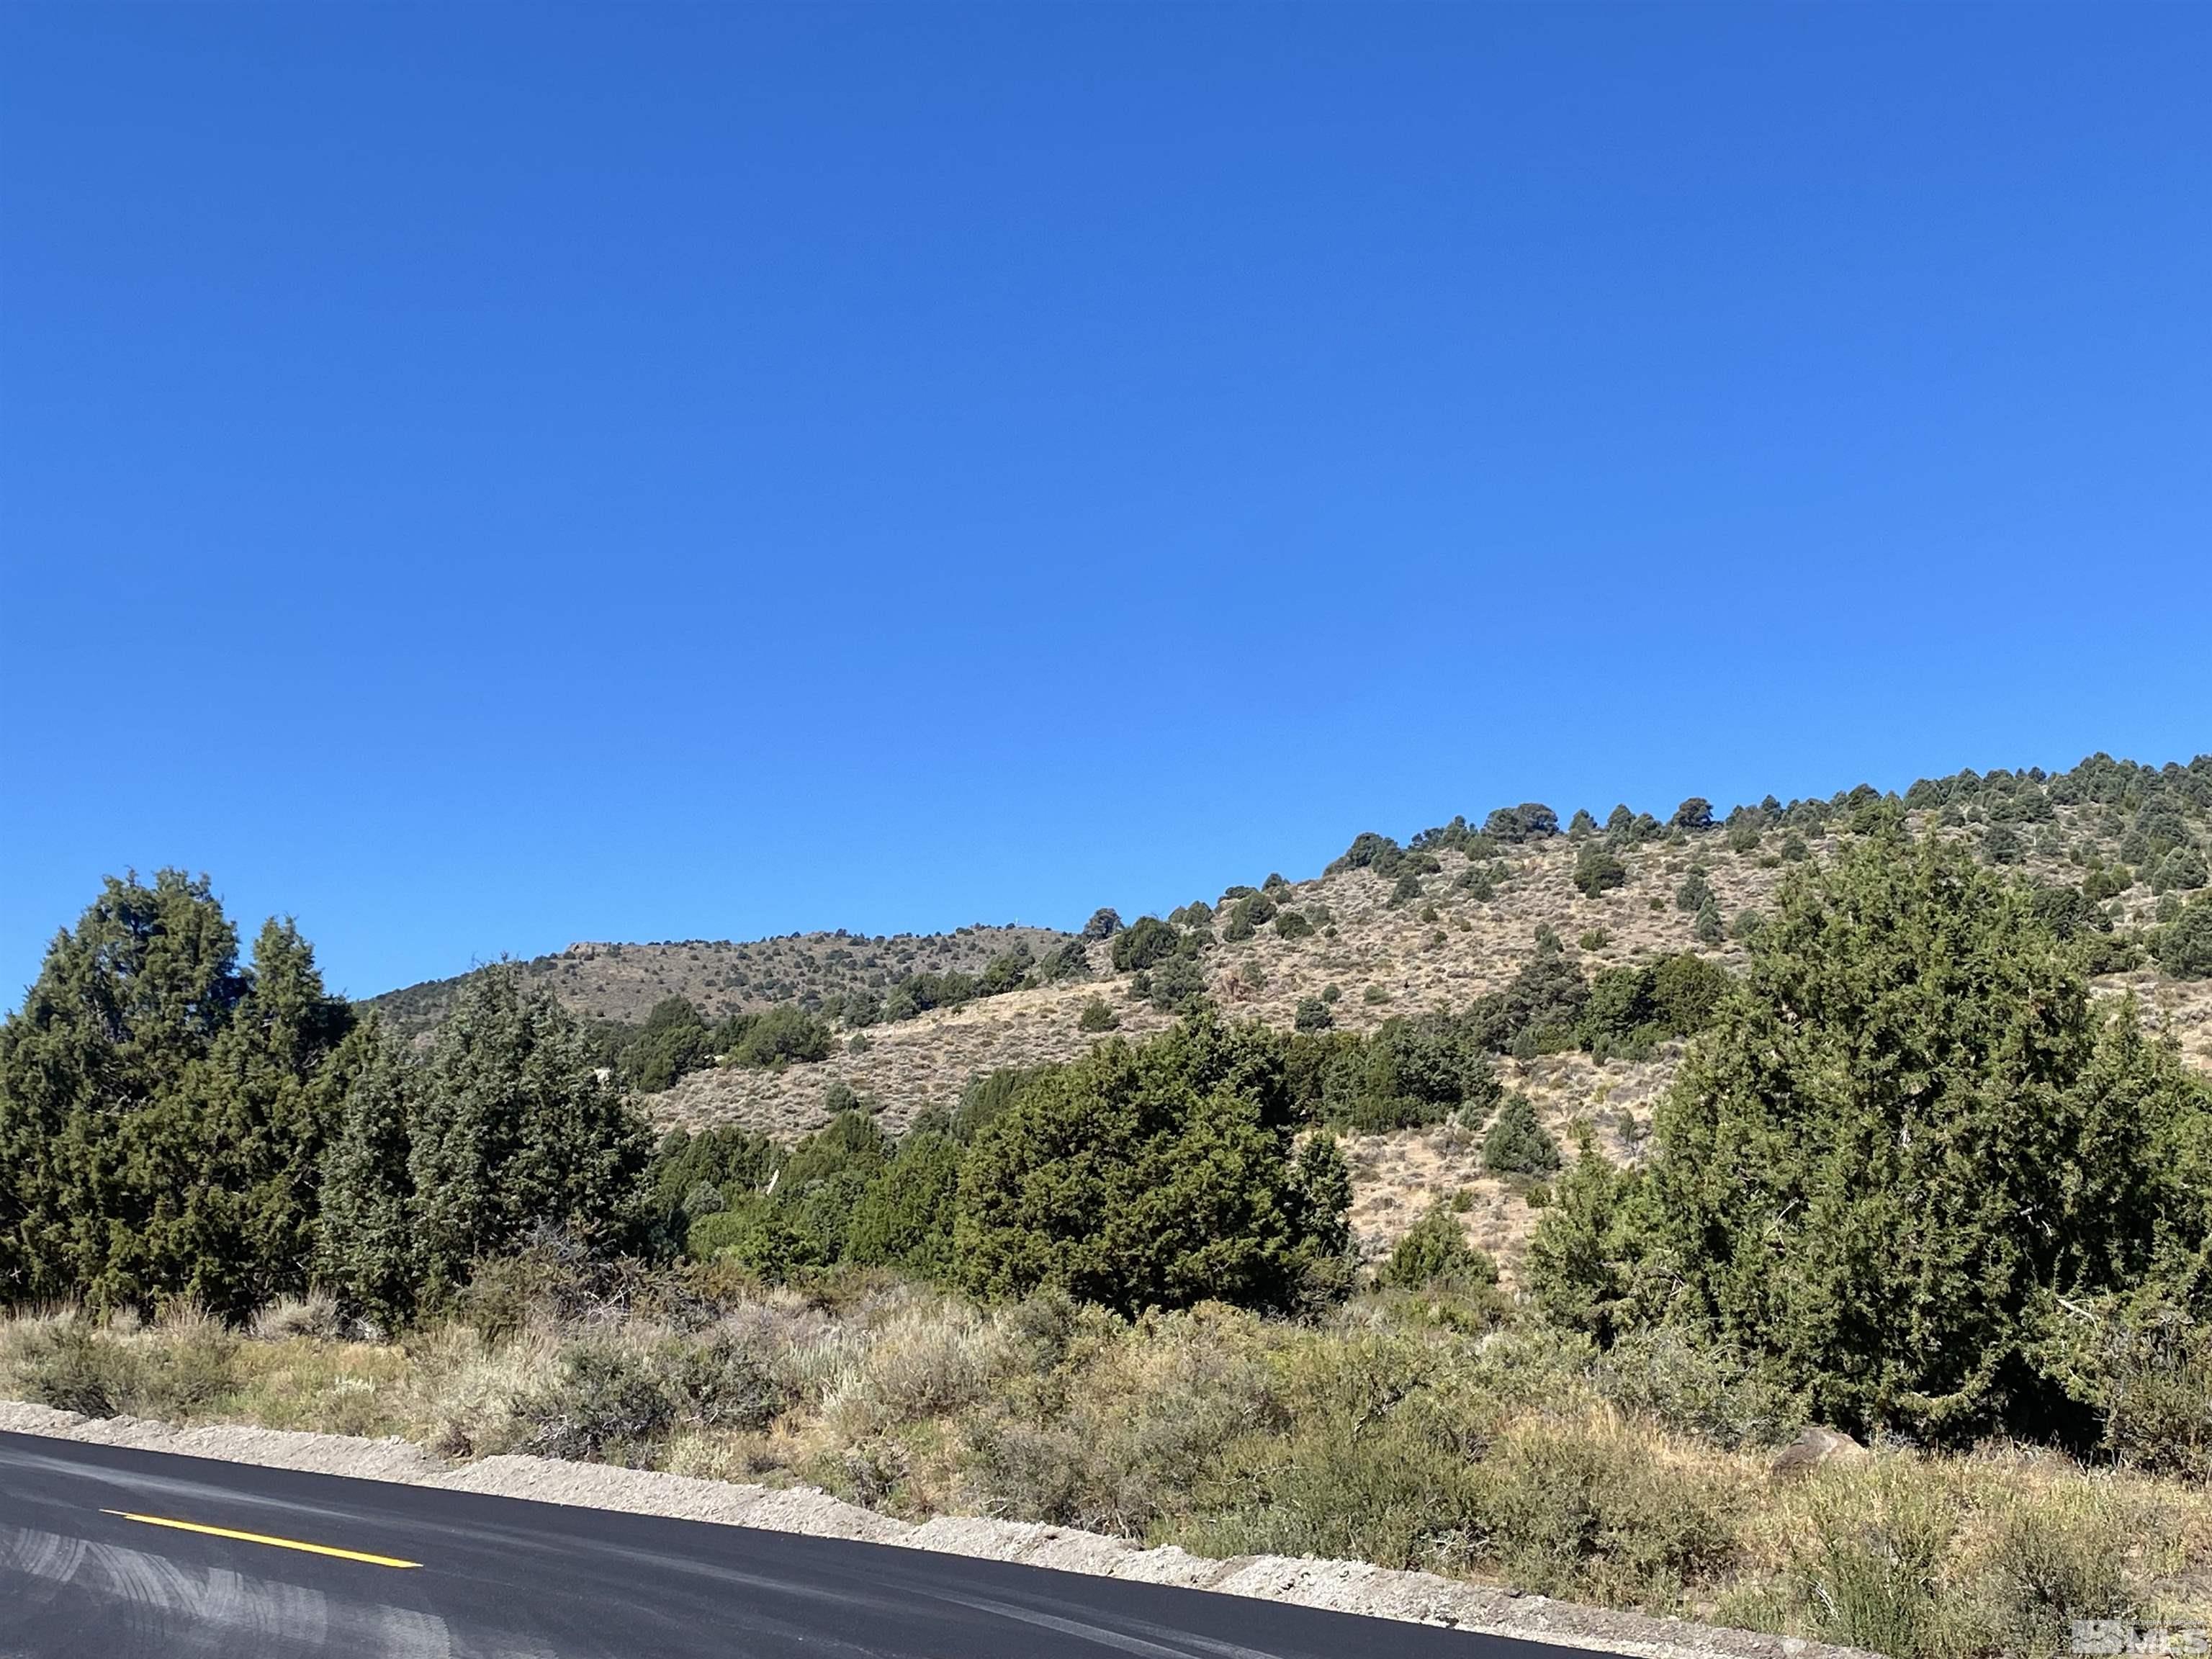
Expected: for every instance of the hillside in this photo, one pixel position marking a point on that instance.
(1459, 931)
(720, 977)
(1452, 916)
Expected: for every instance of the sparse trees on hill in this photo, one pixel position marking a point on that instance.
(1105, 923)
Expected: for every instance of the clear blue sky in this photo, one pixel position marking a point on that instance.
(481, 477)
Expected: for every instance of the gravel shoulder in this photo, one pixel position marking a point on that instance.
(1340, 1586)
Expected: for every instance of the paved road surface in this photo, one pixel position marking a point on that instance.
(111, 1553)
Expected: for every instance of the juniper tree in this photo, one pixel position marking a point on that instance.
(1154, 1176)
(365, 1247)
(516, 1130)
(160, 1112)
(1910, 1128)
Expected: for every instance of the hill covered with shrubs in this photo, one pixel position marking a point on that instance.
(833, 974)
(1885, 1114)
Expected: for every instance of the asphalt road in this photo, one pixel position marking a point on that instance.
(113, 1553)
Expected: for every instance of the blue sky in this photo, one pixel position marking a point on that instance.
(476, 478)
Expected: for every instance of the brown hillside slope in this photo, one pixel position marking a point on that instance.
(1386, 958)
(725, 976)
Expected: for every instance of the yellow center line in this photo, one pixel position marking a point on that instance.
(264, 1538)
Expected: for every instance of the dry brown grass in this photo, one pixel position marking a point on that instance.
(1384, 1434)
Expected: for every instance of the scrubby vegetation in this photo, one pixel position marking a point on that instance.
(1909, 1176)
(1406, 1428)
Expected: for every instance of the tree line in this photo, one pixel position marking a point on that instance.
(176, 1122)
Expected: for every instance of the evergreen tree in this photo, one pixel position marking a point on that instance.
(904, 1218)
(249, 1122)
(1597, 870)
(1907, 1132)
(1585, 1253)
(1518, 1144)
(1435, 1252)
(2184, 945)
(365, 1248)
(515, 1130)
(160, 1113)
(1152, 1177)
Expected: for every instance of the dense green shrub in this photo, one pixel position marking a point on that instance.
(2184, 945)
(1289, 924)
(674, 1041)
(1066, 961)
(1517, 1143)
(1097, 1015)
(1007, 971)
(1530, 821)
(1369, 851)
(1540, 1008)
(1914, 1063)
(1410, 1072)
(1145, 943)
(696, 1176)
(1632, 1009)
(1177, 983)
(1105, 923)
(1154, 1176)
(1695, 813)
(1694, 893)
(918, 993)
(903, 1219)
(783, 1034)
(2181, 870)
(1434, 1252)
(1598, 870)
(1312, 1015)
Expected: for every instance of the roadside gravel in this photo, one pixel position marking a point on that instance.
(1340, 1586)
